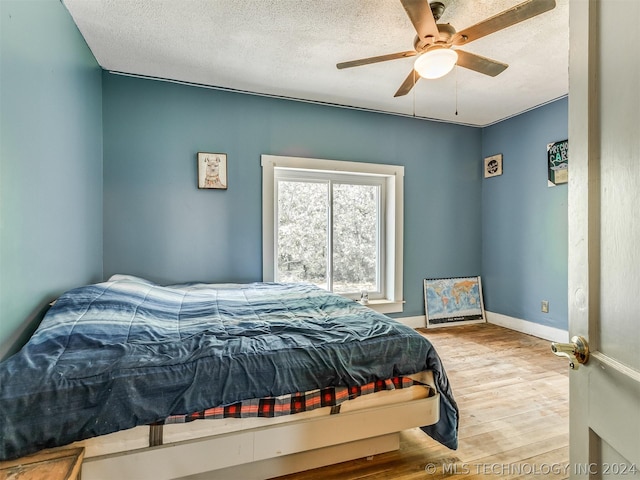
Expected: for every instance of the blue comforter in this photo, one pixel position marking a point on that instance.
(127, 352)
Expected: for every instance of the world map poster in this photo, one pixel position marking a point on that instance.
(453, 301)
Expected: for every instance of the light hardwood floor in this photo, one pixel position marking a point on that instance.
(513, 396)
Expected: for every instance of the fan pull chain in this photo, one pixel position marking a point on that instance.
(456, 67)
(414, 93)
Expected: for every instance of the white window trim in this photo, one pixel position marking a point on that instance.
(394, 175)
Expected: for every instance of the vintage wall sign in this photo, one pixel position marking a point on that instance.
(558, 162)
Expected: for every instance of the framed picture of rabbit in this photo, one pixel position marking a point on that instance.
(212, 170)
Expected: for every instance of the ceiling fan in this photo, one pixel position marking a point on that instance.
(434, 41)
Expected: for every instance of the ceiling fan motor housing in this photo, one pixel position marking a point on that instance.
(445, 30)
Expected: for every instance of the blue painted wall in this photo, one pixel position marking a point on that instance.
(524, 222)
(50, 163)
(158, 225)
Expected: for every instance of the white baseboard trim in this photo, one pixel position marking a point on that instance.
(541, 331)
(419, 321)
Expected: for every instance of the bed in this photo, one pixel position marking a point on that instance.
(122, 367)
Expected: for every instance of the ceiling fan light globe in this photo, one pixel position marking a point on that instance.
(435, 63)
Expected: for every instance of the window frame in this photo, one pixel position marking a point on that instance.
(393, 213)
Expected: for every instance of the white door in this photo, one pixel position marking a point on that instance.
(604, 236)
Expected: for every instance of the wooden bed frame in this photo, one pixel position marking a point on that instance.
(274, 448)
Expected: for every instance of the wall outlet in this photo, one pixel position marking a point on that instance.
(544, 306)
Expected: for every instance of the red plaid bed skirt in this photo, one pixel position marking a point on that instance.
(294, 402)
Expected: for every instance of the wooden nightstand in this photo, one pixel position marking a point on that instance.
(62, 464)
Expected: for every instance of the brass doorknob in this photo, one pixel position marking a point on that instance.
(577, 351)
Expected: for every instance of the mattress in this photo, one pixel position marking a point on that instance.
(139, 437)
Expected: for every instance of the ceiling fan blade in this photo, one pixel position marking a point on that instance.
(420, 14)
(408, 84)
(480, 64)
(517, 14)
(381, 58)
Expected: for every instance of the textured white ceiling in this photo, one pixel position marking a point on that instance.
(290, 48)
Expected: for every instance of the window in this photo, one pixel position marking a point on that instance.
(328, 231)
(335, 224)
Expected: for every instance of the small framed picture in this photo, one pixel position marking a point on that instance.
(493, 166)
(212, 170)
(558, 162)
